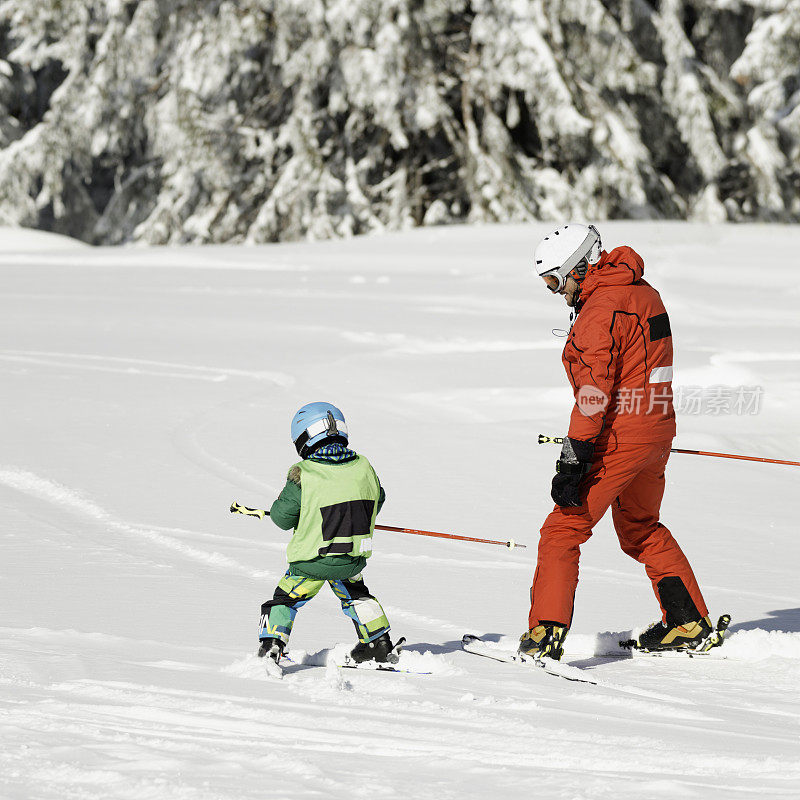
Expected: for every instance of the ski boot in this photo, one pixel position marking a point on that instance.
(380, 650)
(546, 640)
(661, 636)
(271, 648)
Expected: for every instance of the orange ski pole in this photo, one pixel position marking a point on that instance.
(559, 440)
(261, 513)
(509, 543)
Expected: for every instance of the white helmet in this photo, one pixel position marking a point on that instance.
(571, 247)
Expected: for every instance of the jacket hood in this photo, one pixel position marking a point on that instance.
(621, 267)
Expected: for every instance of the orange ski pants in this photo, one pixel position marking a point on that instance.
(629, 477)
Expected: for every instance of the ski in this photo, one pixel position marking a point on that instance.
(275, 670)
(714, 639)
(372, 666)
(713, 655)
(392, 657)
(477, 646)
(389, 666)
(364, 666)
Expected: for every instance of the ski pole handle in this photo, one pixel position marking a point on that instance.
(261, 513)
(550, 439)
(248, 512)
(559, 440)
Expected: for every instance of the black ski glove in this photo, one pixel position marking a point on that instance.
(575, 462)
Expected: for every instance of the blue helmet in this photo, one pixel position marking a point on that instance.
(316, 424)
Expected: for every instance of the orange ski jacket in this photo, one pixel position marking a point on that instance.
(618, 355)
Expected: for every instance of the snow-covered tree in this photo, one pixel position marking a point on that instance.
(259, 120)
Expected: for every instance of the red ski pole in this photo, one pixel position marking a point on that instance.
(559, 440)
(261, 513)
(509, 543)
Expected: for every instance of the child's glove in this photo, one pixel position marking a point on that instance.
(575, 462)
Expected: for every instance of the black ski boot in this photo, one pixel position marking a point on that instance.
(684, 628)
(381, 650)
(546, 640)
(271, 648)
(663, 636)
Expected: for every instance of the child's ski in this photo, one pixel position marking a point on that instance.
(390, 665)
(392, 657)
(366, 666)
(372, 666)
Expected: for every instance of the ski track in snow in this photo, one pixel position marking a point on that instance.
(169, 538)
(43, 489)
(186, 441)
(109, 692)
(138, 366)
(372, 715)
(401, 343)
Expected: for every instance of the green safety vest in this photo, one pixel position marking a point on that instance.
(338, 506)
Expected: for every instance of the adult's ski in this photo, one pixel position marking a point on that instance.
(477, 646)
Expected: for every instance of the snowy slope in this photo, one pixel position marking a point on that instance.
(145, 389)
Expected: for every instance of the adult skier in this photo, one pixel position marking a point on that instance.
(618, 359)
(331, 499)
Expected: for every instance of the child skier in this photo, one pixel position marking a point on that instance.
(331, 499)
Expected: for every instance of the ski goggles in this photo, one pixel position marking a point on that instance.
(556, 280)
(552, 281)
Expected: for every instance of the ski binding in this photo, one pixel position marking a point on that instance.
(390, 665)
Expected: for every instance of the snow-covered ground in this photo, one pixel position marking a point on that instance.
(144, 390)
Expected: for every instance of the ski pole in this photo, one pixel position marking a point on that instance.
(510, 543)
(261, 513)
(559, 440)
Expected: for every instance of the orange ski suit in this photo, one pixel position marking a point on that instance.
(620, 349)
